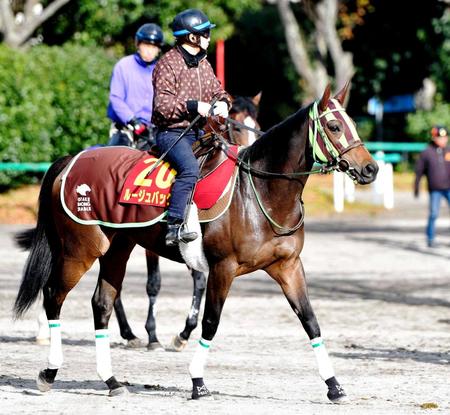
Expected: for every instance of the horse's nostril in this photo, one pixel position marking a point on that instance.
(370, 170)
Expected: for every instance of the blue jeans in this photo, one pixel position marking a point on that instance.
(435, 204)
(182, 159)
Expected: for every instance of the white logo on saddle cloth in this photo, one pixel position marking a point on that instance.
(83, 201)
(82, 189)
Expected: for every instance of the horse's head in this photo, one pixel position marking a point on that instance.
(335, 141)
(244, 112)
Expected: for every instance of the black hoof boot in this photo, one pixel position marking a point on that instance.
(46, 379)
(336, 393)
(199, 389)
(176, 234)
(115, 387)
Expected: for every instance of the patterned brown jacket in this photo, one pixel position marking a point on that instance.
(178, 86)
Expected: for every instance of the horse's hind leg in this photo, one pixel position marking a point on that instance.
(179, 342)
(112, 271)
(153, 287)
(64, 277)
(290, 275)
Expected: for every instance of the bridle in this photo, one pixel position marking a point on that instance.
(325, 152)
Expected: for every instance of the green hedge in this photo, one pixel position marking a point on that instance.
(52, 102)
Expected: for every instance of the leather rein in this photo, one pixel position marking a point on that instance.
(332, 165)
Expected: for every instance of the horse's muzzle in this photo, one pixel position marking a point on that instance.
(368, 173)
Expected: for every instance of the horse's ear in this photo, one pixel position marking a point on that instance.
(257, 98)
(325, 98)
(342, 94)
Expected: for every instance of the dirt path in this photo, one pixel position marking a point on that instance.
(382, 299)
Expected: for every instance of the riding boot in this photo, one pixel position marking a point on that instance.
(176, 232)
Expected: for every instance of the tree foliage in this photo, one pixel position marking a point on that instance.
(52, 101)
(109, 22)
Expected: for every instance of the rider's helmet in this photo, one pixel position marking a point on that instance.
(438, 131)
(150, 33)
(191, 21)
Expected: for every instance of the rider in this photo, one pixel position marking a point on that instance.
(131, 91)
(184, 85)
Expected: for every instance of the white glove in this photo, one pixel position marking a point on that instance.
(203, 108)
(221, 109)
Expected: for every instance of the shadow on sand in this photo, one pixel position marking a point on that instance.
(398, 354)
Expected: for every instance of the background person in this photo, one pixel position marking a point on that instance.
(131, 91)
(185, 84)
(434, 163)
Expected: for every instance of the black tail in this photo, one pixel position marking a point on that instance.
(24, 239)
(42, 242)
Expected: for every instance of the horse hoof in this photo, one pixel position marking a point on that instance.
(43, 341)
(178, 344)
(121, 390)
(337, 395)
(155, 347)
(199, 390)
(42, 383)
(134, 343)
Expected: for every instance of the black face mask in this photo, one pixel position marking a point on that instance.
(192, 61)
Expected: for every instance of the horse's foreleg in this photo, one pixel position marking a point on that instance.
(153, 288)
(112, 271)
(291, 278)
(180, 341)
(216, 292)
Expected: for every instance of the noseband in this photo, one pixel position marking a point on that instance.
(324, 150)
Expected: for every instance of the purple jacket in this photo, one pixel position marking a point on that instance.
(434, 163)
(131, 90)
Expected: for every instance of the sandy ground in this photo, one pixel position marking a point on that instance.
(382, 299)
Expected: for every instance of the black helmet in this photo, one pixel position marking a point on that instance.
(191, 21)
(150, 33)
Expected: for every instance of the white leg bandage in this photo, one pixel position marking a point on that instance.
(43, 329)
(198, 362)
(55, 357)
(323, 361)
(103, 354)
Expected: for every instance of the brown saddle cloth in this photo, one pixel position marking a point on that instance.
(94, 180)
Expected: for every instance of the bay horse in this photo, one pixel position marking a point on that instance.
(238, 129)
(241, 128)
(262, 229)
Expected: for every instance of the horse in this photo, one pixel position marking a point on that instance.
(241, 128)
(263, 229)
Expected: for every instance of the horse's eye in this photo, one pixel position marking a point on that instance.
(334, 127)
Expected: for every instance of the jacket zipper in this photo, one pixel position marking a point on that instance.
(199, 82)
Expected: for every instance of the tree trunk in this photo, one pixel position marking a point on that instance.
(17, 32)
(326, 42)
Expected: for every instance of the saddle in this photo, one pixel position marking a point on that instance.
(110, 186)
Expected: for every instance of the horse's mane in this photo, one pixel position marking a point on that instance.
(278, 133)
(241, 104)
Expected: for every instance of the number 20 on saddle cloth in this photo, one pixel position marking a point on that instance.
(110, 186)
